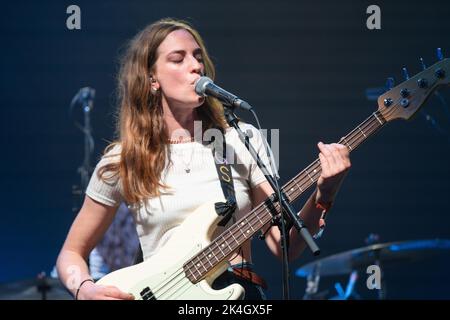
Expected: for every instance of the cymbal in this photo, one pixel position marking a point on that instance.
(29, 290)
(385, 253)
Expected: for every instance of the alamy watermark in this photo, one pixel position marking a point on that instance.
(235, 155)
(374, 20)
(374, 279)
(73, 21)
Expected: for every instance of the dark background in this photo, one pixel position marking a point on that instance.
(304, 65)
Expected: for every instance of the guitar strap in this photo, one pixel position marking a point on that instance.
(227, 208)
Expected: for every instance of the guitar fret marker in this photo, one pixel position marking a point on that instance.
(362, 132)
(201, 264)
(296, 183)
(190, 271)
(377, 118)
(348, 145)
(221, 251)
(257, 216)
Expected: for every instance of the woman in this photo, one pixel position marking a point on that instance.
(164, 175)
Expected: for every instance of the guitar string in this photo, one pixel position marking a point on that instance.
(366, 126)
(223, 238)
(251, 216)
(179, 271)
(357, 138)
(348, 140)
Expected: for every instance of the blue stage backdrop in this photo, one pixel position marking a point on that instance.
(304, 65)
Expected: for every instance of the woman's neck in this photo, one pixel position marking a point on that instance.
(178, 120)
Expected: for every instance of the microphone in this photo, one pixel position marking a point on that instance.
(85, 97)
(204, 86)
(86, 94)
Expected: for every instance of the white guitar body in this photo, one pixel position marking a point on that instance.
(163, 273)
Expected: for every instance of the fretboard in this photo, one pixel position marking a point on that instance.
(244, 229)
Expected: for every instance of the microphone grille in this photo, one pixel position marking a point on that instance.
(200, 85)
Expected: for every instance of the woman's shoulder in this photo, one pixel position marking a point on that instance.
(112, 153)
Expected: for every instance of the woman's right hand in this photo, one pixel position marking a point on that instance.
(92, 291)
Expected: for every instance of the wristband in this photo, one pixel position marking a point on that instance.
(79, 287)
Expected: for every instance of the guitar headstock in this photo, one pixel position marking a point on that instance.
(404, 100)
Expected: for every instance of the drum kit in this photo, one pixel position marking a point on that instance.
(354, 262)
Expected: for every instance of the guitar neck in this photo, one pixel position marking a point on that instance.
(306, 178)
(243, 230)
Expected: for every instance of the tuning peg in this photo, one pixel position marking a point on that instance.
(439, 54)
(422, 63)
(389, 83)
(405, 73)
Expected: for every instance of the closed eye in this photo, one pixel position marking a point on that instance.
(178, 56)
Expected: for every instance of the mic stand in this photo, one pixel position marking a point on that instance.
(85, 96)
(85, 170)
(42, 285)
(287, 211)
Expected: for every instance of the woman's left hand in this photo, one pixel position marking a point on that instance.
(335, 163)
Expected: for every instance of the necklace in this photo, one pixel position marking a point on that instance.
(183, 140)
(187, 168)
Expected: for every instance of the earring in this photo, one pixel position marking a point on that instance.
(153, 90)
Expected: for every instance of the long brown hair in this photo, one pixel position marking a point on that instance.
(140, 127)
